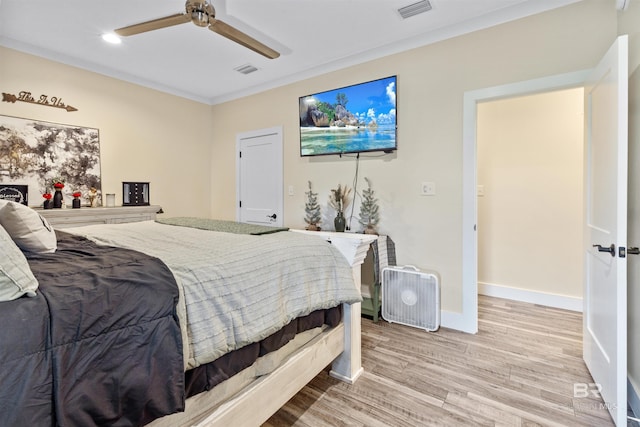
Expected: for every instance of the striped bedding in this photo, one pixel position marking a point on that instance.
(237, 288)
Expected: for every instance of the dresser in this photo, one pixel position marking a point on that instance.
(67, 218)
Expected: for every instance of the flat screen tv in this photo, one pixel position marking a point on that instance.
(352, 119)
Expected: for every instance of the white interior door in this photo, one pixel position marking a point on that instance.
(260, 177)
(605, 296)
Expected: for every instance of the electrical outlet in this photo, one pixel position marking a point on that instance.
(428, 189)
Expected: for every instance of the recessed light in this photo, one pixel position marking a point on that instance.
(111, 38)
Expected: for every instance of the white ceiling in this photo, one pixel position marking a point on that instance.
(313, 37)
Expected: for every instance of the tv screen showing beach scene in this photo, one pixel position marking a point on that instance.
(352, 119)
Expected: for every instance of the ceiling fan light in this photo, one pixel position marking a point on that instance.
(200, 18)
(111, 38)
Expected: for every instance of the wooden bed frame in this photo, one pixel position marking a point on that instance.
(255, 403)
(339, 346)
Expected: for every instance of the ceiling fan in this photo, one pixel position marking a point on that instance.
(201, 13)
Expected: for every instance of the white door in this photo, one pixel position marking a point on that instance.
(605, 295)
(260, 177)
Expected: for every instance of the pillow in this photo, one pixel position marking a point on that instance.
(30, 231)
(16, 278)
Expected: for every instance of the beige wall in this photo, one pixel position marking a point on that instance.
(530, 217)
(431, 84)
(144, 134)
(628, 24)
(192, 168)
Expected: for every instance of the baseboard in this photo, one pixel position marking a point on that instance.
(534, 297)
(453, 320)
(633, 398)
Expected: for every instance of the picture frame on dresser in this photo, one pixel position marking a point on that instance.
(15, 193)
(135, 194)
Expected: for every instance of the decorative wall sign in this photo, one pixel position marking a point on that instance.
(15, 193)
(25, 96)
(34, 152)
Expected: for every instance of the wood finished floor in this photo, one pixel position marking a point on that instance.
(519, 370)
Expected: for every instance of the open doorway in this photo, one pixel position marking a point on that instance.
(467, 321)
(606, 129)
(530, 198)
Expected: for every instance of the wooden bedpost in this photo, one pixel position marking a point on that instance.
(348, 365)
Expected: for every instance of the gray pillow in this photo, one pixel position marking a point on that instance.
(30, 231)
(16, 278)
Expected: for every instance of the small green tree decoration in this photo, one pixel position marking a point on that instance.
(312, 208)
(369, 215)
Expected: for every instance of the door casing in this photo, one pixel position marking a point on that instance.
(467, 321)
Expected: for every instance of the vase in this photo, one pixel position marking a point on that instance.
(57, 199)
(339, 222)
(48, 204)
(75, 204)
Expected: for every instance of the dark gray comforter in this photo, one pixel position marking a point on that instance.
(99, 345)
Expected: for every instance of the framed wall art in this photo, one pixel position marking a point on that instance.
(35, 153)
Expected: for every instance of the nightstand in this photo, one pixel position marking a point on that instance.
(382, 253)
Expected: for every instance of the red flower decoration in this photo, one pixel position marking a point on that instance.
(47, 196)
(77, 194)
(58, 185)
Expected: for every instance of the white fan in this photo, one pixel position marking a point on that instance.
(411, 297)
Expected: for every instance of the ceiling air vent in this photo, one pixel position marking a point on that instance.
(246, 69)
(414, 9)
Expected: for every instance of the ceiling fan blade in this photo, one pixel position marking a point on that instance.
(238, 36)
(167, 21)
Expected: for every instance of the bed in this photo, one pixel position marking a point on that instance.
(63, 363)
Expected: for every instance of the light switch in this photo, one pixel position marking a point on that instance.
(480, 190)
(428, 188)
(291, 190)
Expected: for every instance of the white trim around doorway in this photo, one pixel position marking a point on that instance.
(467, 321)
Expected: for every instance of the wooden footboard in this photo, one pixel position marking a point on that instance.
(255, 403)
(347, 367)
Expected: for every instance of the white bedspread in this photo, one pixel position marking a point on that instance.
(237, 288)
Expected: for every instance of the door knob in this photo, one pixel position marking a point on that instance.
(274, 216)
(611, 249)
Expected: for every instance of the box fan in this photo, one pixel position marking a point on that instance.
(411, 297)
